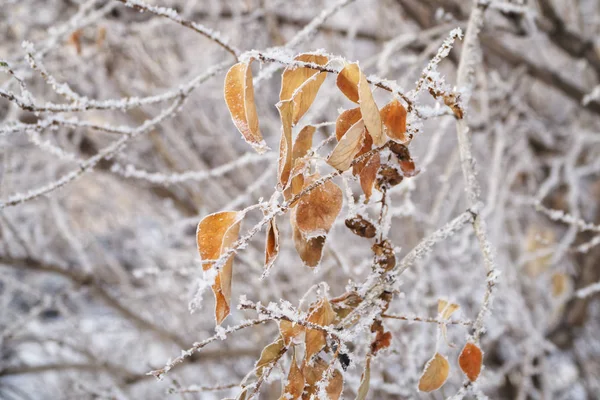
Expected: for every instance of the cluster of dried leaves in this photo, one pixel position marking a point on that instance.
(314, 203)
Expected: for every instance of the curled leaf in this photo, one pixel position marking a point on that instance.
(348, 147)
(301, 84)
(239, 96)
(270, 354)
(365, 380)
(216, 233)
(445, 311)
(361, 227)
(345, 120)
(470, 361)
(393, 117)
(285, 162)
(353, 83)
(435, 373)
(272, 244)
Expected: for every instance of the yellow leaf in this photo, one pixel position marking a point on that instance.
(370, 112)
(365, 379)
(348, 80)
(215, 235)
(270, 354)
(239, 97)
(435, 373)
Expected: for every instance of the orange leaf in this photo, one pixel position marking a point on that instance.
(272, 244)
(295, 382)
(309, 250)
(393, 116)
(348, 147)
(215, 235)
(353, 83)
(470, 361)
(435, 373)
(239, 96)
(345, 120)
(323, 315)
(285, 145)
(301, 84)
(317, 210)
(368, 174)
(348, 80)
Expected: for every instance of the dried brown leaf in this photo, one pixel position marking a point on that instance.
(295, 382)
(270, 354)
(393, 117)
(348, 80)
(317, 210)
(345, 120)
(322, 314)
(368, 174)
(301, 84)
(435, 373)
(361, 227)
(215, 235)
(348, 147)
(365, 380)
(272, 244)
(313, 373)
(239, 96)
(285, 163)
(291, 333)
(470, 361)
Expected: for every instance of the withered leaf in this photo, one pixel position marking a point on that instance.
(295, 382)
(435, 373)
(302, 146)
(239, 96)
(309, 250)
(445, 311)
(348, 80)
(393, 117)
(345, 120)
(285, 162)
(322, 314)
(365, 380)
(313, 373)
(291, 333)
(272, 244)
(348, 147)
(368, 174)
(470, 361)
(384, 254)
(361, 227)
(317, 210)
(215, 235)
(270, 354)
(353, 83)
(344, 304)
(301, 84)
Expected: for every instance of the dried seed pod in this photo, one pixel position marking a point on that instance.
(387, 177)
(361, 227)
(385, 256)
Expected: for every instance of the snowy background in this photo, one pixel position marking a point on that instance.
(104, 177)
